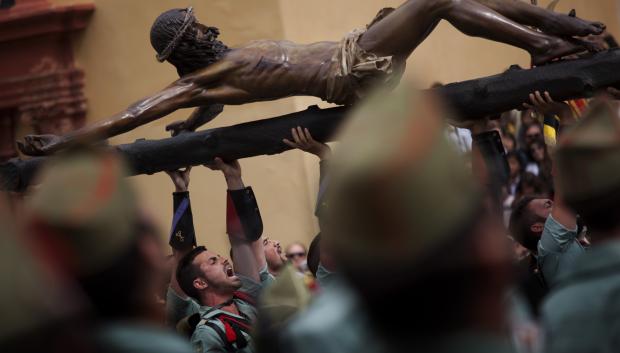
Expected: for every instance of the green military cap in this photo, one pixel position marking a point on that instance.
(287, 296)
(30, 297)
(85, 207)
(399, 189)
(588, 157)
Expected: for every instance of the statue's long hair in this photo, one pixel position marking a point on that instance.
(174, 35)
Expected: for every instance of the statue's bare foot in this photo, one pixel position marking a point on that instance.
(568, 26)
(38, 145)
(557, 48)
(590, 45)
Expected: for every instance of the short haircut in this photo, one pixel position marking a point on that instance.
(521, 221)
(293, 244)
(314, 254)
(187, 272)
(600, 213)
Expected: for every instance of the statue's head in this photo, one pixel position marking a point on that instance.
(181, 40)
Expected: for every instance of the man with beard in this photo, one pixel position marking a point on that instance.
(338, 72)
(218, 300)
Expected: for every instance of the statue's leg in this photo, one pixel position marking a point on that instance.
(400, 32)
(546, 20)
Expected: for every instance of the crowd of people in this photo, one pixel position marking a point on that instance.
(504, 243)
(501, 234)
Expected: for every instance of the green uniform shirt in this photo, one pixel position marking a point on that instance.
(336, 322)
(324, 277)
(558, 249)
(139, 338)
(206, 339)
(582, 314)
(178, 307)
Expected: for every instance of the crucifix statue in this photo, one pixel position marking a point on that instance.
(214, 75)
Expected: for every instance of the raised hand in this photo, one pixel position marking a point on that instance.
(180, 179)
(38, 145)
(544, 104)
(302, 139)
(230, 169)
(613, 92)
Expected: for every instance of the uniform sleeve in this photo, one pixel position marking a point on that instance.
(182, 235)
(178, 307)
(266, 278)
(242, 214)
(252, 288)
(495, 169)
(558, 248)
(321, 201)
(206, 340)
(324, 276)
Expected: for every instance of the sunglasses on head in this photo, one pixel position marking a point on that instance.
(295, 254)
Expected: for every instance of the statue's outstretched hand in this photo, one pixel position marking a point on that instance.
(303, 140)
(177, 127)
(38, 145)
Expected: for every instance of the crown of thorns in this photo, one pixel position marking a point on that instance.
(187, 21)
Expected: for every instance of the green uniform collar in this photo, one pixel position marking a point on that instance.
(596, 262)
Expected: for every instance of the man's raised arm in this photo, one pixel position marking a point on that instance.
(193, 90)
(243, 223)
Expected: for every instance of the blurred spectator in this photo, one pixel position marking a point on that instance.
(581, 314)
(35, 300)
(530, 185)
(509, 141)
(448, 260)
(539, 156)
(516, 169)
(296, 254)
(86, 222)
(274, 256)
(526, 227)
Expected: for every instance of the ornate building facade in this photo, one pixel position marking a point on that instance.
(41, 89)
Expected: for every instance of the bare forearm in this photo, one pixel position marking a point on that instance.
(140, 113)
(234, 182)
(562, 214)
(174, 284)
(244, 259)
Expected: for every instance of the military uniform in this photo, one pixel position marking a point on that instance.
(582, 314)
(337, 322)
(242, 217)
(397, 193)
(86, 217)
(221, 331)
(558, 249)
(213, 329)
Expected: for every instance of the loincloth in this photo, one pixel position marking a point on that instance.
(356, 71)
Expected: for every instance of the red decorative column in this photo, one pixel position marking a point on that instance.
(40, 87)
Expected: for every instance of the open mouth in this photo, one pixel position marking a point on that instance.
(229, 271)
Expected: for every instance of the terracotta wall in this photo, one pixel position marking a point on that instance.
(120, 67)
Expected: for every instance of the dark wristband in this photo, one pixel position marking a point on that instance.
(242, 214)
(182, 234)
